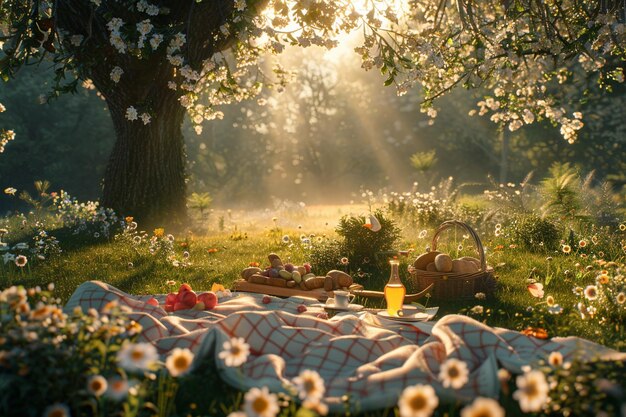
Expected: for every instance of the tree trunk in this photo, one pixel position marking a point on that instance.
(145, 176)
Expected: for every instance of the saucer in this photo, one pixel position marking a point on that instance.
(411, 314)
(331, 306)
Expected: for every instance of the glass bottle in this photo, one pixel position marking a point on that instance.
(394, 290)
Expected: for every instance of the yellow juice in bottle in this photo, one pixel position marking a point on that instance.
(394, 296)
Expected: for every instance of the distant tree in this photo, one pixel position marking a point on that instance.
(148, 57)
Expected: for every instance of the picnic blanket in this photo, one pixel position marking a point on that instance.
(370, 360)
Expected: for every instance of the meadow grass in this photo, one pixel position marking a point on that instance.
(220, 256)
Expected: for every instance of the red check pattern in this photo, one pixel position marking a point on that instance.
(358, 355)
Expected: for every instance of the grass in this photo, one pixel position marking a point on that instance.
(219, 256)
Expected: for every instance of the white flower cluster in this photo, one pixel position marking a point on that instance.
(115, 37)
(5, 137)
(147, 8)
(132, 114)
(116, 74)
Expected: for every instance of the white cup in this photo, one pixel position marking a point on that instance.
(343, 298)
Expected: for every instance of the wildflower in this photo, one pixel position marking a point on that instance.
(622, 227)
(159, 232)
(480, 295)
(582, 243)
(477, 309)
(97, 385)
(310, 385)
(453, 373)
(117, 388)
(145, 118)
(536, 332)
(602, 279)
(566, 248)
(550, 301)
(286, 239)
(21, 261)
(57, 410)
(591, 292)
(418, 401)
(620, 298)
(128, 219)
(137, 356)
(532, 391)
(10, 191)
(235, 352)
(422, 234)
(555, 359)
(179, 362)
(316, 406)
(137, 240)
(260, 403)
(344, 261)
(483, 407)
(536, 290)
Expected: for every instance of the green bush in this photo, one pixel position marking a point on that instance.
(361, 245)
(534, 233)
(326, 256)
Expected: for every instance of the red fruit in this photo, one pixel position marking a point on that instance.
(307, 267)
(184, 288)
(152, 302)
(189, 298)
(301, 308)
(209, 299)
(171, 298)
(289, 267)
(181, 306)
(169, 308)
(266, 299)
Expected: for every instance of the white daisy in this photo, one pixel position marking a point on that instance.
(235, 352)
(57, 410)
(97, 385)
(483, 407)
(260, 403)
(137, 356)
(453, 373)
(418, 401)
(179, 361)
(131, 113)
(591, 292)
(117, 388)
(532, 392)
(555, 359)
(310, 385)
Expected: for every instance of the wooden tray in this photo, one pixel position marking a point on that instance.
(319, 294)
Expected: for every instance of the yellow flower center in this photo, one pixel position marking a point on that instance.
(137, 355)
(309, 385)
(96, 385)
(531, 389)
(259, 405)
(453, 372)
(418, 402)
(181, 363)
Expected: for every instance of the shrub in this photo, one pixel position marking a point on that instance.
(361, 244)
(326, 256)
(534, 233)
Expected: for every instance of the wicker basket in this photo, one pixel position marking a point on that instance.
(450, 285)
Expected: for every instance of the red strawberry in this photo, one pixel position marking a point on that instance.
(169, 308)
(209, 299)
(301, 308)
(152, 302)
(266, 299)
(307, 267)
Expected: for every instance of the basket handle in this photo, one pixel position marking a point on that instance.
(455, 223)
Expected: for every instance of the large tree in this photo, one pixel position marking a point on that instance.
(152, 60)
